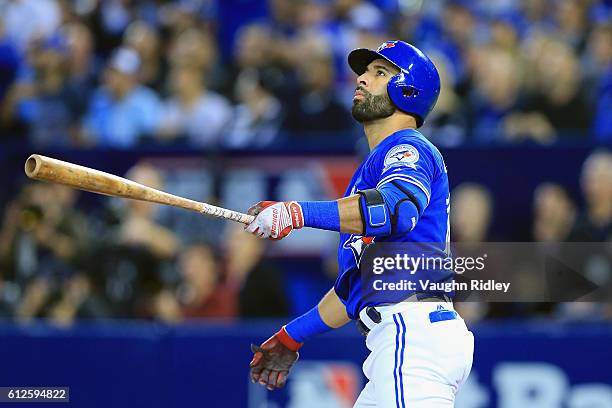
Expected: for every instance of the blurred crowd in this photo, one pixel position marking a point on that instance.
(250, 74)
(556, 218)
(129, 259)
(125, 261)
(215, 75)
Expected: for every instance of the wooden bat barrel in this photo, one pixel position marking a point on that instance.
(44, 168)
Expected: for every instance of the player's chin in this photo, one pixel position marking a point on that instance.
(360, 112)
(358, 100)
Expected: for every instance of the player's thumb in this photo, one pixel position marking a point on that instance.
(256, 359)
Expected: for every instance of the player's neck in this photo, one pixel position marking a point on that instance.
(378, 130)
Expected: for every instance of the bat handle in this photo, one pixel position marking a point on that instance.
(226, 214)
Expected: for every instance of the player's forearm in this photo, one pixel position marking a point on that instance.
(371, 212)
(342, 215)
(332, 310)
(350, 215)
(329, 314)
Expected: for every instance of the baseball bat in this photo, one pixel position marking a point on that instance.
(44, 168)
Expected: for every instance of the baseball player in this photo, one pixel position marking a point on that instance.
(420, 349)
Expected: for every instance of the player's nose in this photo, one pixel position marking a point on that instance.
(362, 80)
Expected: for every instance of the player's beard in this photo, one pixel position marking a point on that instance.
(372, 107)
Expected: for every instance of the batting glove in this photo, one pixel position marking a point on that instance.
(274, 219)
(273, 360)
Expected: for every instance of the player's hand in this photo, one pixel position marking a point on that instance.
(273, 360)
(275, 219)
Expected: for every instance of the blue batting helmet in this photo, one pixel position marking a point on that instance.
(416, 88)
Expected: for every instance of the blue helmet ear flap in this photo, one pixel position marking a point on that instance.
(401, 91)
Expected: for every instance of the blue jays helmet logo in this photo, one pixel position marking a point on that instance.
(388, 44)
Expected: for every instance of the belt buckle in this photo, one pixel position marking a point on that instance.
(373, 314)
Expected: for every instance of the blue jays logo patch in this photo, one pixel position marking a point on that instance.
(388, 44)
(402, 155)
(357, 244)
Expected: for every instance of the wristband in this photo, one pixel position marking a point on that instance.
(321, 214)
(287, 341)
(306, 326)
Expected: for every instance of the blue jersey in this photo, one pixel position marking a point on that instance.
(405, 163)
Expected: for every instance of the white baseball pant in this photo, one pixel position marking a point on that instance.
(419, 356)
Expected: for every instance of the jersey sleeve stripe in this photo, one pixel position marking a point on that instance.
(408, 179)
(390, 177)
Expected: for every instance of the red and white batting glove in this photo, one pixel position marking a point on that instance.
(275, 219)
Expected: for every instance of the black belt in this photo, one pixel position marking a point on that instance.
(376, 317)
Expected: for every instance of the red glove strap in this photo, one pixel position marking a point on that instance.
(287, 341)
(295, 211)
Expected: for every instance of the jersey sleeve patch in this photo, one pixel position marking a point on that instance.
(403, 155)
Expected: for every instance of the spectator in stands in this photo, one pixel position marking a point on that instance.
(258, 115)
(194, 112)
(45, 103)
(283, 16)
(559, 94)
(43, 233)
(145, 40)
(445, 125)
(134, 257)
(355, 24)
(202, 292)
(9, 64)
(554, 213)
(259, 283)
(571, 18)
(470, 218)
(504, 36)
(594, 224)
(316, 111)
(122, 111)
(472, 211)
(495, 96)
(81, 65)
(6, 287)
(359, 13)
(194, 47)
(78, 300)
(535, 15)
(312, 15)
(181, 16)
(139, 226)
(598, 71)
(43, 239)
(36, 297)
(258, 48)
(252, 48)
(458, 24)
